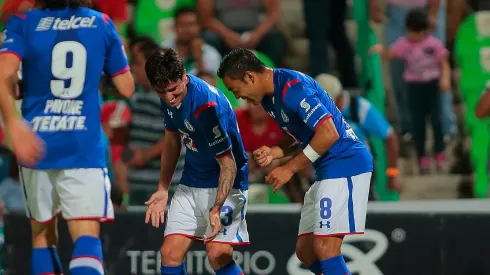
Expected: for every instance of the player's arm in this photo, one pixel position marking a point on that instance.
(214, 128)
(10, 58)
(116, 64)
(287, 146)
(171, 146)
(316, 116)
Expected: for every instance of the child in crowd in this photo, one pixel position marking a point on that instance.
(427, 74)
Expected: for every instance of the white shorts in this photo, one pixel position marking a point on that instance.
(336, 207)
(79, 194)
(189, 215)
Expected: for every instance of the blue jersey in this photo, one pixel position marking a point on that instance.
(209, 130)
(63, 54)
(300, 105)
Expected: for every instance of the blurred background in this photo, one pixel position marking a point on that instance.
(431, 151)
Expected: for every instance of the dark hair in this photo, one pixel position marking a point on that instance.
(164, 66)
(184, 10)
(237, 62)
(417, 20)
(146, 45)
(61, 4)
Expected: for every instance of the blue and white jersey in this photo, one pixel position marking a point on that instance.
(300, 105)
(63, 54)
(209, 130)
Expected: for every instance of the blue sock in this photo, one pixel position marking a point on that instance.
(174, 270)
(87, 257)
(335, 266)
(230, 269)
(45, 261)
(316, 268)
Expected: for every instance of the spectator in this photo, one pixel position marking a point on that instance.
(427, 74)
(197, 56)
(146, 128)
(325, 23)
(395, 28)
(366, 121)
(233, 24)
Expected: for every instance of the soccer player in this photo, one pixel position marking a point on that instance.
(210, 202)
(64, 48)
(336, 204)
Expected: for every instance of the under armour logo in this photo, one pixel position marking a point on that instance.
(327, 224)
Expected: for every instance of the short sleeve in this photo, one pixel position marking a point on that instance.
(116, 61)
(214, 129)
(302, 101)
(14, 42)
(441, 51)
(399, 47)
(371, 120)
(167, 118)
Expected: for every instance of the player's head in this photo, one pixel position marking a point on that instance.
(141, 48)
(167, 75)
(186, 25)
(417, 24)
(333, 87)
(61, 4)
(241, 72)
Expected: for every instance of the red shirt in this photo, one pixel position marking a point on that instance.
(116, 9)
(252, 141)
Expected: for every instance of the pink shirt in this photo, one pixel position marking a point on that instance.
(422, 59)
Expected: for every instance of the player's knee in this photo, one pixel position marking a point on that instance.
(79, 228)
(44, 234)
(327, 247)
(219, 254)
(170, 255)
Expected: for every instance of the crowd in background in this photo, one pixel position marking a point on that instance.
(418, 37)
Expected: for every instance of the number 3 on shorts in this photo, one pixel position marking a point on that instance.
(325, 208)
(226, 215)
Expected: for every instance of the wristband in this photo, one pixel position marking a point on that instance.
(310, 153)
(392, 172)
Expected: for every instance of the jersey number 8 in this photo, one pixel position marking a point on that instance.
(75, 73)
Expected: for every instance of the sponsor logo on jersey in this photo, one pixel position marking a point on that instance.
(188, 126)
(285, 118)
(58, 24)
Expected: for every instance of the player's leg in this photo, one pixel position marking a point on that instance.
(85, 202)
(184, 223)
(305, 242)
(340, 207)
(41, 207)
(233, 231)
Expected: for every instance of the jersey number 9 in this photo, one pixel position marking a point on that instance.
(75, 73)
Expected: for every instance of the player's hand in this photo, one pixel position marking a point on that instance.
(263, 156)
(26, 145)
(278, 177)
(156, 208)
(215, 222)
(139, 158)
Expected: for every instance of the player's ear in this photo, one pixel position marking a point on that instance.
(249, 77)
